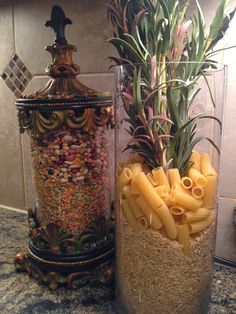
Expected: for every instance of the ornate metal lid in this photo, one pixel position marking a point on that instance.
(63, 89)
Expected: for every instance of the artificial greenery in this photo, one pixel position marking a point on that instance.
(167, 53)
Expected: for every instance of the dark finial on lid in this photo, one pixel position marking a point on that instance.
(63, 84)
(57, 23)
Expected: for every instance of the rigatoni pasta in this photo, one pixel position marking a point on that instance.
(125, 177)
(200, 214)
(173, 176)
(133, 190)
(162, 190)
(120, 166)
(177, 210)
(136, 210)
(143, 223)
(197, 177)
(179, 206)
(157, 204)
(147, 190)
(186, 201)
(136, 168)
(195, 161)
(149, 213)
(209, 197)
(151, 179)
(180, 187)
(187, 183)
(201, 225)
(131, 201)
(169, 201)
(168, 221)
(198, 192)
(160, 177)
(183, 237)
(206, 166)
(130, 192)
(130, 216)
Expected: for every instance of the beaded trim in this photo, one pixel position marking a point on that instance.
(88, 261)
(61, 104)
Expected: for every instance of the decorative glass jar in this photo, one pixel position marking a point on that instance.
(71, 230)
(167, 159)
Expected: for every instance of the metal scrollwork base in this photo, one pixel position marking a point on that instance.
(55, 257)
(72, 278)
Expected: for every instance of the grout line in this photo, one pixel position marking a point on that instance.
(96, 73)
(227, 198)
(41, 75)
(20, 137)
(81, 74)
(13, 209)
(13, 24)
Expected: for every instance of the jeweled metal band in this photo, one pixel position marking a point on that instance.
(51, 104)
(85, 262)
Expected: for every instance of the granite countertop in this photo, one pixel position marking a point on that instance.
(21, 295)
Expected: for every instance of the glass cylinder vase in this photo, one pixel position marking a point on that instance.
(168, 126)
(71, 230)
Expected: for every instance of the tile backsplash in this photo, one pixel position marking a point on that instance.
(16, 76)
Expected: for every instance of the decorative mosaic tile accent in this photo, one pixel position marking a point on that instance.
(16, 76)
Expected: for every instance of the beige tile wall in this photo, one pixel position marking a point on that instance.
(22, 32)
(6, 34)
(226, 231)
(11, 171)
